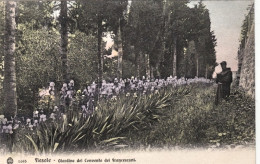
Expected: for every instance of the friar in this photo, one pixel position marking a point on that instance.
(224, 80)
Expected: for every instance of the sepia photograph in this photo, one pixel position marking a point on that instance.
(127, 81)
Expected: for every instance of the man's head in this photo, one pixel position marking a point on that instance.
(223, 65)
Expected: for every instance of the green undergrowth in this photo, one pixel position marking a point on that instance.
(181, 116)
(195, 121)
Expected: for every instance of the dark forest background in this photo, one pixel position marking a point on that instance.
(62, 40)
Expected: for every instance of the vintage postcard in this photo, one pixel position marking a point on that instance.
(127, 81)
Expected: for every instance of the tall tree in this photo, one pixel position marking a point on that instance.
(96, 18)
(37, 41)
(116, 20)
(205, 41)
(10, 100)
(88, 17)
(144, 32)
(35, 14)
(64, 38)
(178, 14)
(2, 28)
(120, 53)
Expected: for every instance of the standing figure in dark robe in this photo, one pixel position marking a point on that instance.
(224, 80)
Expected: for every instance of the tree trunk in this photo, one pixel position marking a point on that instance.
(197, 65)
(64, 39)
(147, 66)
(151, 72)
(10, 96)
(99, 54)
(158, 74)
(120, 53)
(164, 28)
(137, 62)
(174, 56)
(206, 72)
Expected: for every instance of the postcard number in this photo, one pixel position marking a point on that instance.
(22, 161)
